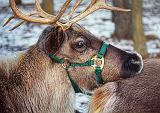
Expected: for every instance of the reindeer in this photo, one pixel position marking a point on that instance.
(66, 59)
(140, 94)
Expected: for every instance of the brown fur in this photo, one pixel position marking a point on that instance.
(31, 86)
(140, 94)
(33, 83)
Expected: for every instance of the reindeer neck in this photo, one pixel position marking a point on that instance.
(33, 64)
(35, 79)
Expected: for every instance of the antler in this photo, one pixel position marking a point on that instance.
(45, 18)
(77, 3)
(93, 6)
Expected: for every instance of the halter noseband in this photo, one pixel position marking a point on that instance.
(97, 62)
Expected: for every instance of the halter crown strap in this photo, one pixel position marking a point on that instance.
(91, 62)
(57, 59)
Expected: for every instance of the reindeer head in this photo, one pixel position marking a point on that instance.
(75, 45)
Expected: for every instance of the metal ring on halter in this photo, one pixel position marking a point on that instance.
(98, 62)
(66, 63)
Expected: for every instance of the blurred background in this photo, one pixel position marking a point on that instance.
(137, 30)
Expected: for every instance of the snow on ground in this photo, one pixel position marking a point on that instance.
(99, 23)
(82, 103)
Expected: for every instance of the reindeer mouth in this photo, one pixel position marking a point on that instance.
(133, 64)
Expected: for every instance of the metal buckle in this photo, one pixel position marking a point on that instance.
(98, 62)
(66, 63)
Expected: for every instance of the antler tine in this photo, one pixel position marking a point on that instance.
(13, 17)
(53, 18)
(77, 3)
(103, 5)
(63, 9)
(91, 4)
(8, 20)
(20, 23)
(17, 25)
(95, 5)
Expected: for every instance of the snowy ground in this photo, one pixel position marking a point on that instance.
(99, 24)
(82, 103)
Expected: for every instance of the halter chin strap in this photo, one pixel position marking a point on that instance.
(97, 62)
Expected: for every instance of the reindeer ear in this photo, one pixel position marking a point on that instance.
(51, 39)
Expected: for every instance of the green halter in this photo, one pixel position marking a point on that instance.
(97, 62)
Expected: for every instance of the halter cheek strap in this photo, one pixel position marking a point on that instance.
(97, 62)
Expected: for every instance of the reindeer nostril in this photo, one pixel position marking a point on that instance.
(135, 60)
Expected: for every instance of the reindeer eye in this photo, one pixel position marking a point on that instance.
(80, 46)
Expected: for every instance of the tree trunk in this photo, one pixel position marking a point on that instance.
(122, 20)
(48, 6)
(137, 28)
(18, 2)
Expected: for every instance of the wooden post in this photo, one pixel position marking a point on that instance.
(122, 20)
(48, 6)
(18, 2)
(137, 27)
